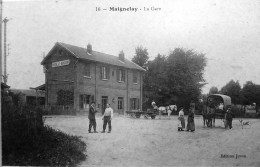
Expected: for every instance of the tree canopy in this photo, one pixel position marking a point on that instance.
(213, 90)
(233, 90)
(251, 93)
(141, 56)
(177, 78)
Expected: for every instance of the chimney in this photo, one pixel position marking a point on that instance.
(121, 56)
(89, 48)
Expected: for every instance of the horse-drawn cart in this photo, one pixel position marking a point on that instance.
(217, 105)
(137, 114)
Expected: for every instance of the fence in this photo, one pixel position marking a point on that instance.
(60, 110)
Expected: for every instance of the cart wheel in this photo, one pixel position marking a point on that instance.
(152, 116)
(137, 115)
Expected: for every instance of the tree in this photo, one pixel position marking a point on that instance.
(233, 90)
(141, 56)
(176, 79)
(155, 80)
(213, 90)
(185, 74)
(251, 93)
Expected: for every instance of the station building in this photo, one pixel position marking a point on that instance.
(92, 76)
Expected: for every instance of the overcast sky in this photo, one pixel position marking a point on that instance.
(227, 31)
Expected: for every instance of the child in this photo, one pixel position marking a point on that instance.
(181, 119)
(179, 127)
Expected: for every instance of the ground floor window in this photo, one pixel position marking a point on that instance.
(134, 104)
(120, 105)
(85, 100)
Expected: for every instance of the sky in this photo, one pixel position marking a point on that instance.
(226, 31)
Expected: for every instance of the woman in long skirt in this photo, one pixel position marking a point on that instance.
(191, 124)
(181, 119)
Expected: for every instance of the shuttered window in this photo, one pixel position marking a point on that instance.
(86, 71)
(104, 72)
(134, 77)
(121, 75)
(85, 100)
(134, 104)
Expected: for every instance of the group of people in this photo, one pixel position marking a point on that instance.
(181, 125)
(190, 122)
(228, 115)
(107, 117)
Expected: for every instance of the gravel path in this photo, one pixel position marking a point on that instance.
(142, 142)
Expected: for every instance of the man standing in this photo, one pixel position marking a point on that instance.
(229, 117)
(92, 118)
(107, 117)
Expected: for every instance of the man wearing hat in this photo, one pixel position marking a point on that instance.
(92, 118)
(229, 117)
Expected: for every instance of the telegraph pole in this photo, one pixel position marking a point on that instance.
(1, 3)
(5, 54)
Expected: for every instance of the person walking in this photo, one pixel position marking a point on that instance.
(92, 118)
(191, 124)
(181, 119)
(107, 117)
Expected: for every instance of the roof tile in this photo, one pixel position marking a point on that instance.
(82, 53)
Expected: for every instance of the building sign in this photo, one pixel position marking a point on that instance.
(60, 63)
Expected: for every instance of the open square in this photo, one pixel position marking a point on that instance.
(146, 142)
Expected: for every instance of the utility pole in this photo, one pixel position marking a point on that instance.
(5, 54)
(1, 3)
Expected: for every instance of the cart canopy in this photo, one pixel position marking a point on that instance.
(225, 99)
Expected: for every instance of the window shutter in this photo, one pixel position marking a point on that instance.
(81, 101)
(130, 104)
(134, 77)
(138, 103)
(88, 70)
(92, 99)
(101, 72)
(108, 72)
(123, 75)
(117, 75)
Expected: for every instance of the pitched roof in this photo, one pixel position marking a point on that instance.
(41, 87)
(81, 53)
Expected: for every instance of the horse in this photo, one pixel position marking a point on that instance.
(208, 116)
(170, 109)
(167, 109)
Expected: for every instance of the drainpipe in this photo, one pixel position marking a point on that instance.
(96, 85)
(141, 92)
(127, 94)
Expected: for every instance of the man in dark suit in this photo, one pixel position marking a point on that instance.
(92, 118)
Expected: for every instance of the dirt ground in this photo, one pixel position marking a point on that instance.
(142, 142)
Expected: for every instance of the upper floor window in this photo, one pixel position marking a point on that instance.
(135, 77)
(104, 75)
(121, 75)
(86, 70)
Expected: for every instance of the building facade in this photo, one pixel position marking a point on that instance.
(77, 76)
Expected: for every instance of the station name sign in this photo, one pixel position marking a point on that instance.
(60, 63)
